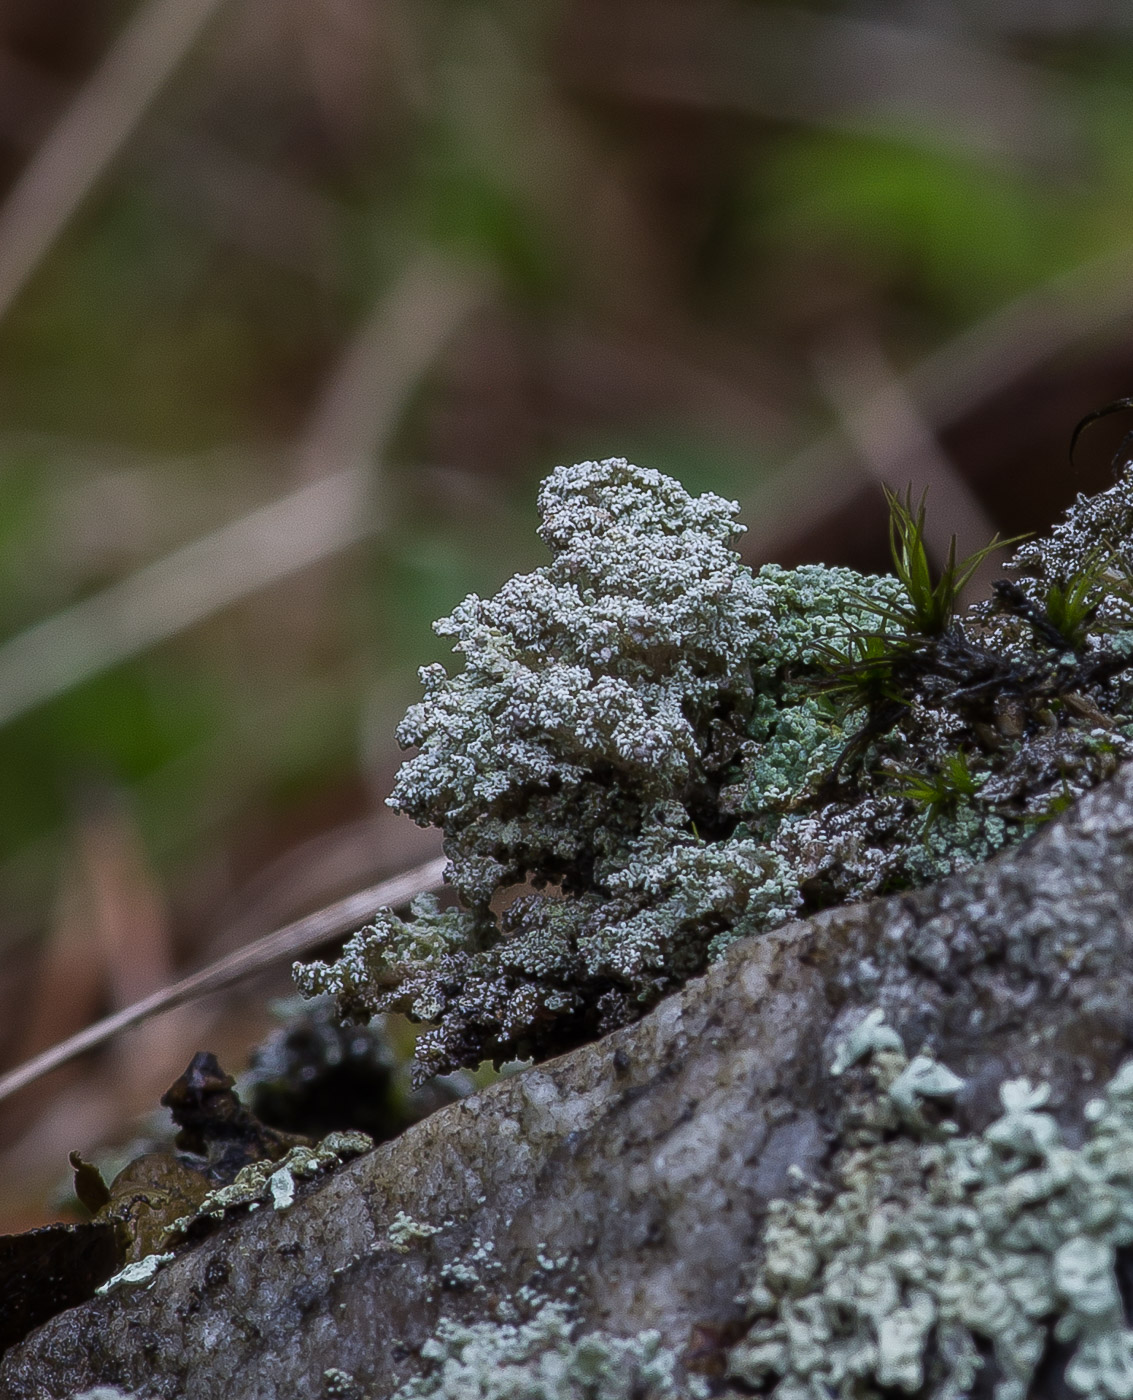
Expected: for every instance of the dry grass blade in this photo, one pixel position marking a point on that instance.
(183, 588)
(382, 363)
(92, 132)
(380, 366)
(235, 199)
(967, 371)
(128, 912)
(841, 72)
(896, 445)
(296, 939)
(69, 981)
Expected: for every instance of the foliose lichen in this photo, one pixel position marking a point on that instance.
(275, 1181)
(404, 1232)
(105, 1392)
(936, 1258)
(547, 1358)
(140, 1271)
(648, 741)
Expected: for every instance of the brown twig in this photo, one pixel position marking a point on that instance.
(292, 941)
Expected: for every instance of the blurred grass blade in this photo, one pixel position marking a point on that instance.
(69, 979)
(383, 361)
(896, 443)
(843, 72)
(92, 132)
(972, 368)
(162, 599)
(303, 936)
(129, 915)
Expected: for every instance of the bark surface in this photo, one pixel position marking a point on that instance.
(639, 1168)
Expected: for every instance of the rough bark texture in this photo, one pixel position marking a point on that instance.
(646, 1160)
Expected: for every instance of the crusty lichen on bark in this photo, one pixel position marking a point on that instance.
(654, 738)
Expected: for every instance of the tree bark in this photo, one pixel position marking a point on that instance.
(638, 1170)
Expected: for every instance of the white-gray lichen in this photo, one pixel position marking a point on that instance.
(547, 1358)
(275, 1181)
(404, 1232)
(931, 1260)
(340, 1385)
(645, 731)
(870, 1035)
(106, 1392)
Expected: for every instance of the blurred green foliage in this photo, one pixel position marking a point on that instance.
(952, 235)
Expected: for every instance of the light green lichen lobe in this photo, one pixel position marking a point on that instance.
(546, 1358)
(935, 1251)
(639, 731)
(275, 1181)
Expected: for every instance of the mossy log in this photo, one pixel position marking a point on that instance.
(633, 1176)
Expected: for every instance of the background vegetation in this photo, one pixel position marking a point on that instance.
(299, 299)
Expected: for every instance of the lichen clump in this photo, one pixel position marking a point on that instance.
(648, 742)
(275, 1181)
(542, 1359)
(936, 1258)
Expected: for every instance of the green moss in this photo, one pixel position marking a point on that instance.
(936, 1254)
(929, 604)
(942, 791)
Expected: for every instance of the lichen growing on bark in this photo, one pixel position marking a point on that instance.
(934, 1255)
(655, 739)
(274, 1181)
(543, 1359)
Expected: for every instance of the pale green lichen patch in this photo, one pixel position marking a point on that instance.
(340, 1385)
(930, 1260)
(404, 1232)
(675, 751)
(281, 1184)
(141, 1271)
(275, 1181)
(547, 1358)
(478, 1267)
(870, 1036)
